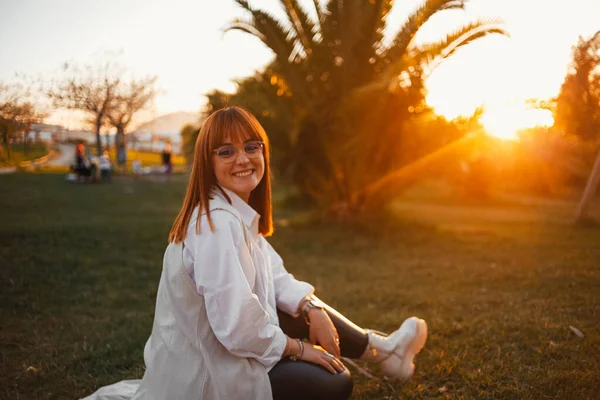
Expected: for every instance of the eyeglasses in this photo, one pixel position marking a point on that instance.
(228, 153)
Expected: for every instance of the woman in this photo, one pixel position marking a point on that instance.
(229, 318)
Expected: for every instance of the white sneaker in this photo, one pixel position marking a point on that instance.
(396, 351)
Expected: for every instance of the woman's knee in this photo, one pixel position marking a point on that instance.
(302, 380)
(342, 388)
(336, 386)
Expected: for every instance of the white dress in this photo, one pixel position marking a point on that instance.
(216, 333)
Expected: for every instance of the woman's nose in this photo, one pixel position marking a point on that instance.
(242, 158)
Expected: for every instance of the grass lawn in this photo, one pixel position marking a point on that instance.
(499, 284)
(35, 150)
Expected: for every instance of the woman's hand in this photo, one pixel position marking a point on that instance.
(323, 331)
(318, 355)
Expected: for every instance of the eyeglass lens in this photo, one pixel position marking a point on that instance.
(251, 149)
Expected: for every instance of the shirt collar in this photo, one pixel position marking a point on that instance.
(249, 215)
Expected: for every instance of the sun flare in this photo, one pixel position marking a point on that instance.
(506, 123)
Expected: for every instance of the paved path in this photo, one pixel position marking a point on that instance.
(7, 170)
(66, 156)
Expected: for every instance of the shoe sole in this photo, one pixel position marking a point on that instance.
(419, 337)
(416, 338)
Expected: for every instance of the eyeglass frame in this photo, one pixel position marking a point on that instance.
(237, 152)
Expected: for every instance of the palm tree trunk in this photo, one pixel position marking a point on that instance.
(590, 190)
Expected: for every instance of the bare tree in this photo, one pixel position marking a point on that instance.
(91, 90)
(17, 114)
(129, 99)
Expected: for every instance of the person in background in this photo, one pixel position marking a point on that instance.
(80, 167)
(92, 165)
(136, 165)
(105, 166)
(166, 159)
(79, 153)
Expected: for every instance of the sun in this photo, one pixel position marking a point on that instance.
(505, 123)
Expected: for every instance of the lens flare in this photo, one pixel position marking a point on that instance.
(506, 123)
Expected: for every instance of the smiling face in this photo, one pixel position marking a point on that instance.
(242, 174)
(248, 177)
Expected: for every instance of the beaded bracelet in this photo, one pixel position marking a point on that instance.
(301, 344)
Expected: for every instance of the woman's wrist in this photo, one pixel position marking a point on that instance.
(302, 305)
(293, 347)
(300, 353)
(307, 305)
(289, 346)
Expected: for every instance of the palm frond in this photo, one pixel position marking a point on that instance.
(319, 12)
(280, 40)
(414, 22)
(348, 34)
(330, 28)
(454, 5)
(373, 24)
(245, 26)
(301, 23)
(244, 4)
(272, 33)
(353, 45)
(461, 37)
(377, 12)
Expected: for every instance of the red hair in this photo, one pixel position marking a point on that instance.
(233, 123)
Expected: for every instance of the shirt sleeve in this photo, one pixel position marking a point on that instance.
(224, 274)
(288, 290)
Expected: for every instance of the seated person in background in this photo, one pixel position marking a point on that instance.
(105, 166)
(93, 167)
(80, 167)
(79, 155)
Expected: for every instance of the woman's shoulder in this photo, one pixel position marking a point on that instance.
(222, 220)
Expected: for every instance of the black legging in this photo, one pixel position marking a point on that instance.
(300, 380)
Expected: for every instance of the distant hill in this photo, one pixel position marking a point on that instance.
(169, 124)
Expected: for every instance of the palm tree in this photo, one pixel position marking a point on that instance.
(352, 91)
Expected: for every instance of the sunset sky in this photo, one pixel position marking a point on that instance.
(182, 42)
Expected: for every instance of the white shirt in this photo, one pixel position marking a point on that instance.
(215, 334)
(104, 163)
(242, 288)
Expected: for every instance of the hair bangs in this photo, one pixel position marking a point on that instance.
(234, 125)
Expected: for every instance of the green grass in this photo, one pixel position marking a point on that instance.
(35, 150)
(498, 283)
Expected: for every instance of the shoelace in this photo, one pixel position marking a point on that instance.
(382, 335)
(364, 371)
